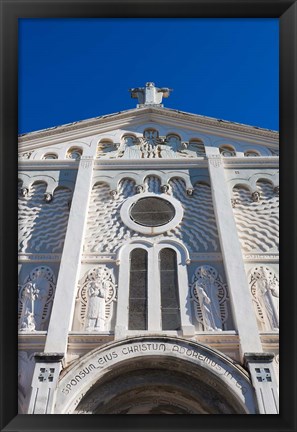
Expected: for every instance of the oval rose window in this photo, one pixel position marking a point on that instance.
(152, 212)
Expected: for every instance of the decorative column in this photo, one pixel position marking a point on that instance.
(48, 364)
(240, 297)
(264, 381)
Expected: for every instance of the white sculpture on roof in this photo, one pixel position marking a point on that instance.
(150, 95)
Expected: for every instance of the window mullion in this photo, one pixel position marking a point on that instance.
(154, 295)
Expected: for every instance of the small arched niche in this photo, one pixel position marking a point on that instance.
(227, 150)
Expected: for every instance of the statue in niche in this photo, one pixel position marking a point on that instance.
(265, 290)
(210, 294)
(97, 296)
(34, 295)
(94, 301)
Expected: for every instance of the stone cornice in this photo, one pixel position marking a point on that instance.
(251, 162)
(97, 124)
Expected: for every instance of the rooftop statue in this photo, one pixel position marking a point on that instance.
(150, 95)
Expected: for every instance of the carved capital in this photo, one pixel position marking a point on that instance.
(254, 357)
(42, 357)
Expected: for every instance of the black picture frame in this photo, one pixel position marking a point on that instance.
(11, 11)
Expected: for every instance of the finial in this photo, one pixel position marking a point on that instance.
(150, 95)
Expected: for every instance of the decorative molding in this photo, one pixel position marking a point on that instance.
(195, 256)
(261, 257)
(31, 257)
(95, 124)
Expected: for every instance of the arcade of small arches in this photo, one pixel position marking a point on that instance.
(149, 144)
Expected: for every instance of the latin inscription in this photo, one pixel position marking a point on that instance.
(108, 358)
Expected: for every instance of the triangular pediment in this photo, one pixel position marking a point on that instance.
(173, 121)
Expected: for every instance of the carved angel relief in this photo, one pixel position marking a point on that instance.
(265, 293)
(150, 146)
(35, 299)
(209, 295)
(95, 299)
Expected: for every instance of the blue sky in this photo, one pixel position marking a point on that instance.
(73, 69)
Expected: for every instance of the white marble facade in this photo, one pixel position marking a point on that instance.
(149, 223)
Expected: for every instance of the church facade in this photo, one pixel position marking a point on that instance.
(148, 265)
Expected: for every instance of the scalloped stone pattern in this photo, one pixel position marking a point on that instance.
(42, 226)
(107, 233)
(257, 222)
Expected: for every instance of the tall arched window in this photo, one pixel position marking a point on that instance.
(153, 289)
(138, 290)
(170, 313)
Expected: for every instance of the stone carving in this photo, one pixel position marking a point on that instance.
(24, 192)
(256, 196)
(95, 299)
(106, 232)
(257, 222)
(25, 155)
(46, 374)
(35, 298)
(263, 374)
(129, 148)
(234, 202)
(150, 95)
(209, 295)
(42, 227)
(150, 146)
(165, 188)
(276, 190)
(215, 160)
(190, 191)
(265, 292)
(48, 197)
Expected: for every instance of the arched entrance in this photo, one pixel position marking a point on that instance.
(155, 375)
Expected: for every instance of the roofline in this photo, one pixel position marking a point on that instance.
(204, 120)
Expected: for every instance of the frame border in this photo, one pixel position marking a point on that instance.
(11, 11)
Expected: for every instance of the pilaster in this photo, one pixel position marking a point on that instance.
(264, 381)
(44, 382)
(64, 301)
(240, 297)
